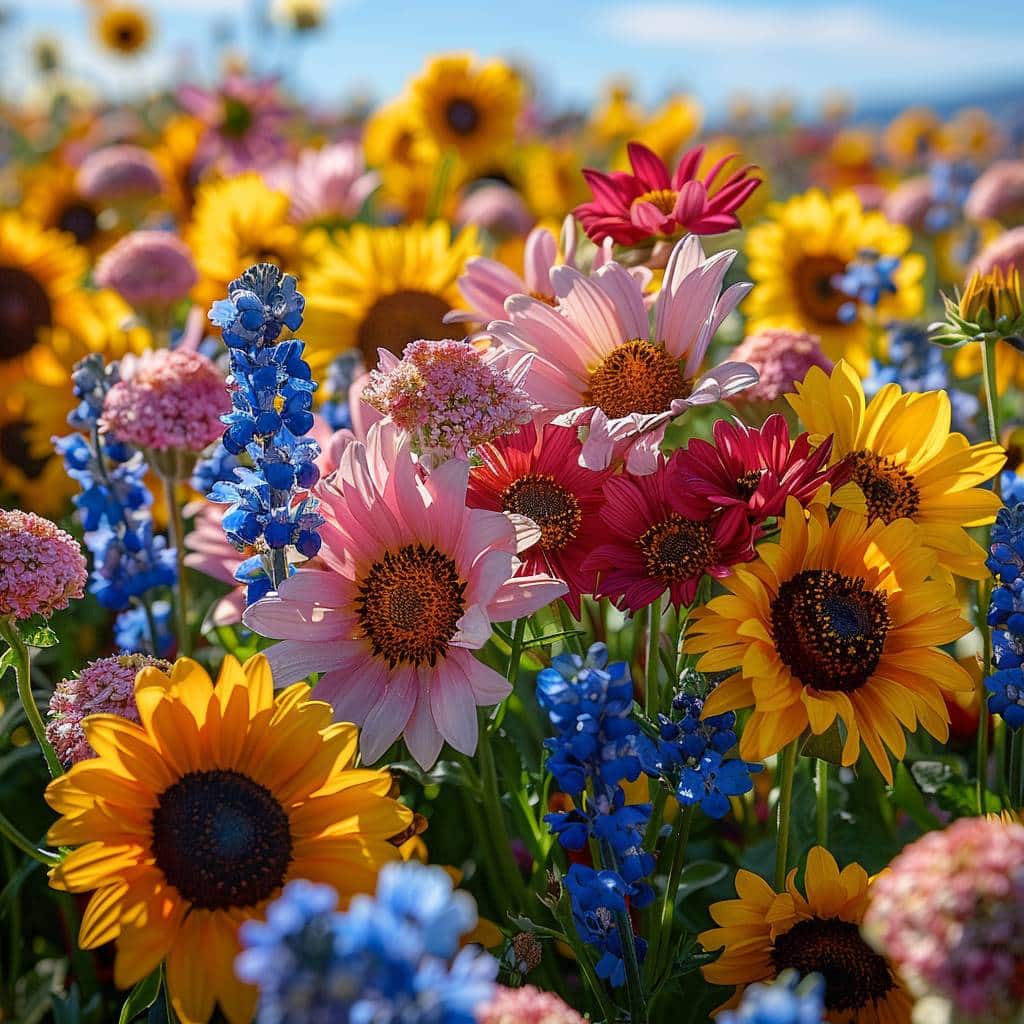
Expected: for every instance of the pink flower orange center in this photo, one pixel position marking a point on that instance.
(678, 548)
(636, 377)
(410, 603)
(663, 198)
(551, 506)
(889, 490)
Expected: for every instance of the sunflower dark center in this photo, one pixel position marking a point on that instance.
(678, 548)
(410, 603)
(551, 506)
(236, 118)
(126, 34)
(462, 115)
(855, 975)
(636, 377)
(221, 839)
(24, 308)
(404, 316)
(818, 298)
(16, 450)
(830, 629)
(662, 198)
(747, 484)
(79, 219)
(889, 490)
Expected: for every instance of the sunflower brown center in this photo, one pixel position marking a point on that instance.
(410, 603)
(818, 298)
(678, 548)
(79, 219)
(636, 377)
(855, 975)
(16, 450)
(747, 484)
(462, 115)
(663, 198)
(889, 490)
(551, 506)
(395, 320)
(24, 308)
(221, 839)
(830, 629)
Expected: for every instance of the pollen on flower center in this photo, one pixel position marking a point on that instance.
(678, 548)
(637, 377)
(855, 975)
(747, 484)
(829, 629)
(551, 506)
(889, 490)
(401, 317)
(410, 603)
(817, 297)
(663, 198)
(221, 839)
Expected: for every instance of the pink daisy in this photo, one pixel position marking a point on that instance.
(599, 363)
(414, 580)
(210, 553)
(652, 548)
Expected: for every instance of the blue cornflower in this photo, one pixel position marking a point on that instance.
(131, 630)
(866, 279)
(787, 1001)
(1006, 611)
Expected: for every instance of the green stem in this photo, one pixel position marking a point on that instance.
(23, 674)
(983, 715)
(584, 959)
(1016, 768)
(821, 780)
(176, 525)
(634, 982)
(147, 610)
(16, 838)
(651, 666)
(988, 362)
(787, 768)
(676, 849)
(570, 626)
(516, 653)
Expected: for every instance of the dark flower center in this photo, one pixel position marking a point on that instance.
(236, 119)
(637, 377)
(462, 115)
(678, 548)
(855, 975)
(889, 490)
(24, 308)
(15, 449)
(551, 506)
(79, 219)
(127, 35)
(410, 603)
(830, 629)
(395, 320)
(747, 484)
(817, 297)
(221, 839)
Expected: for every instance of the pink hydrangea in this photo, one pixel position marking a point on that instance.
(526, 1005)
(167, 399)
(119, 173)
(950, 915)
(148, 268)
(449, 396)
(106, 687)
(43, 567)
(781, 358)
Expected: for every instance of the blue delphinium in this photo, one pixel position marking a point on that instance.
(129, 559)
(866, 279)
(1012, 487)
(597, 746)
(219, 465)
(340, 375)
(689, 756)
(131, 630)
(389, 959)
(786, 1001)
(950, 182)
(1006, 615)
(271, 399)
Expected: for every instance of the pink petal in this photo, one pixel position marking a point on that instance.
(316, 586)
(589, 308)
(281, 619)
(538, 259)
(523, 595)
(489, 687)
(292, 660)
(389, 715)
(474, 629)
(352, 688)
(626, 294)
(454, 708)
(421, 734)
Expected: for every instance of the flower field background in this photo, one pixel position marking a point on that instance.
(466, 560)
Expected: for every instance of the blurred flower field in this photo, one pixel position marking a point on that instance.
(468, 561)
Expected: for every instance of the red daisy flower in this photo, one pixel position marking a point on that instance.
(653, 548)
(756, 469)
(538, 475)
(632, 208)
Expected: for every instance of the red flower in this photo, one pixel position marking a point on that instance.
(632, 208)
(539, 476)
(755, 469)
(653, 548)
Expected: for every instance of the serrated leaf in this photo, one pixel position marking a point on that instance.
(141, 998)
(39, 636)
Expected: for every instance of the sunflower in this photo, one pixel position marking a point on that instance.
(816, 931)
(466, 107)
(906, 461)
(51, 199)
(123, 29)
(238, 222)
(382, 287)
(836, 621)
(190, 822)
(552, 183)
(175, 154)
(913, 136)
(804, 244)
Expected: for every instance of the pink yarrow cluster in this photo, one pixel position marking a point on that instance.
(43, 567)
(148, 268)
(449, 397)
(781, 358)
(106, 687)
(526, 1005)
(950, 915)
(167, 399)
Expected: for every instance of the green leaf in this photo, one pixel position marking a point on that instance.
(39, 636)
(909, 798)
(141, 998)
(547, 639)
(6, 661)
(827, 746)
(699, 874)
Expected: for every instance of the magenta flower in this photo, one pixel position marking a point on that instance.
(148, 269)
(43, 567)
(412, 583)
(648, 204)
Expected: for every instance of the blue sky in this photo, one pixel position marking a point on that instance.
(909, 50)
